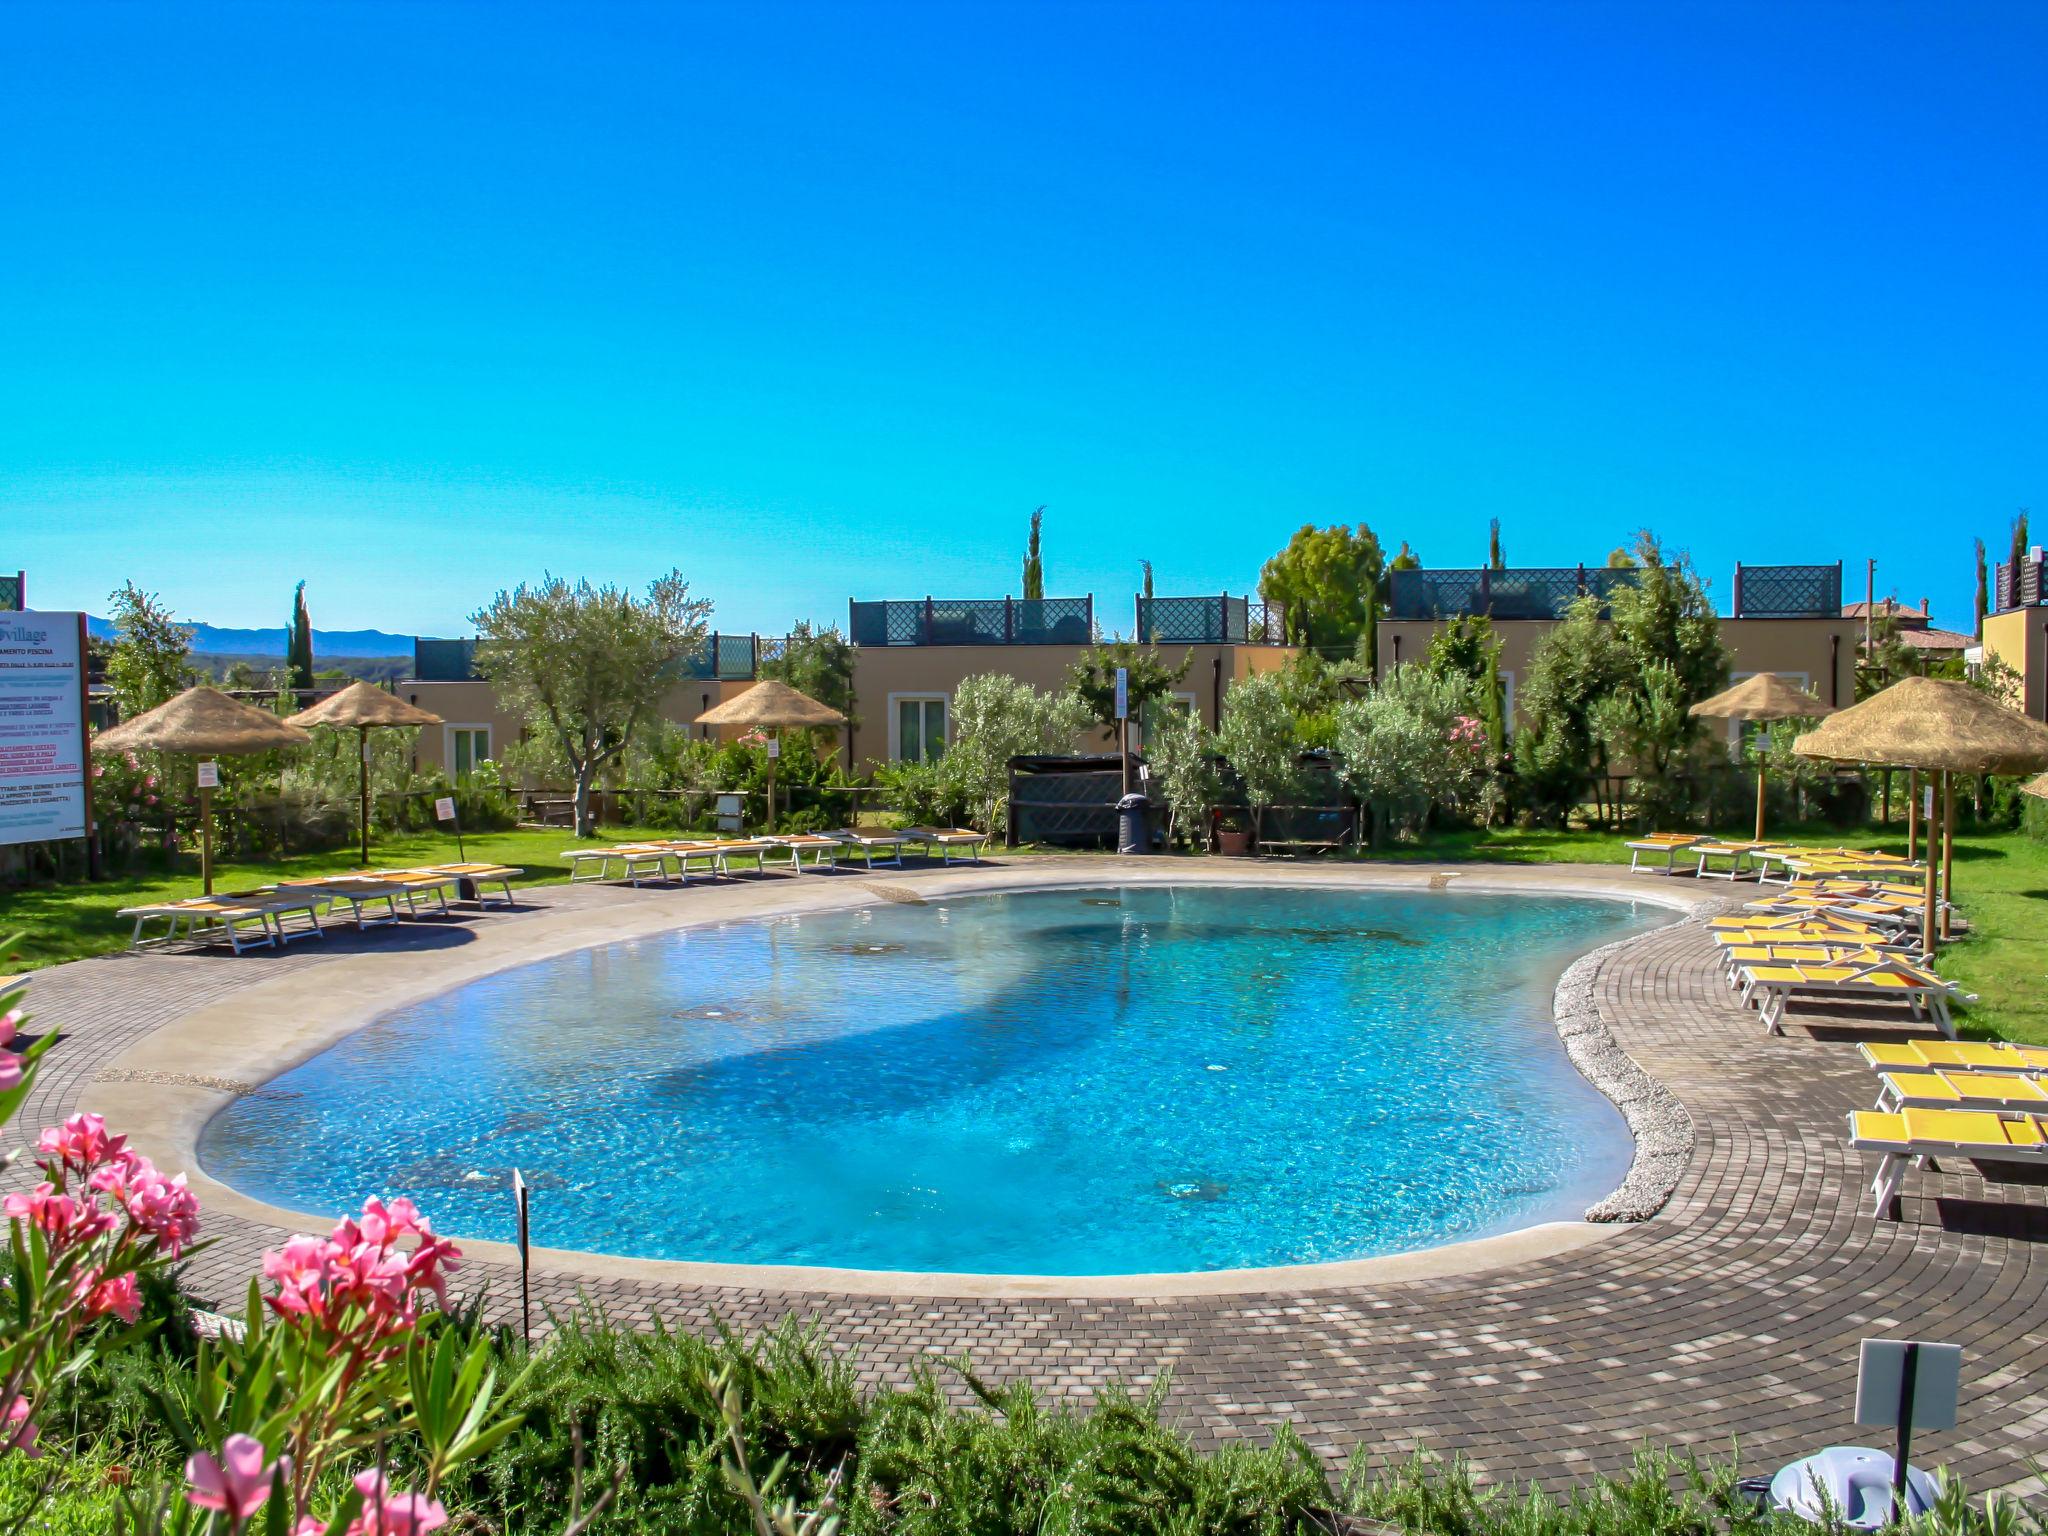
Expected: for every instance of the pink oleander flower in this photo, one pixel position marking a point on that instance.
(164, 1208)
(21, 1433)
(64, 1220)
(360, 1264)
(81, 1143)
(11, 1070)
(10, 1023)
(394, 1514)
(134, 761)
(120, 1297)
(237, 1483)
(99, 770)
(149, 782)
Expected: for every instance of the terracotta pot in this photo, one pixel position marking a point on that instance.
(1232, 844)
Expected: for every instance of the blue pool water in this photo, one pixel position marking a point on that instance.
(1060, 1082)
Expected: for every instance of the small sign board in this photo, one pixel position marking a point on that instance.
(209, 775)
(444, 808)
(43, 747)
(1898, 1378)
(1927, 802)
(775, 746)
(1123, 693)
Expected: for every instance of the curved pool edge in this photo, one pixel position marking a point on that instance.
(163, 1090)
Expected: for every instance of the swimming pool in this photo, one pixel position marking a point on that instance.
(1095, 1081)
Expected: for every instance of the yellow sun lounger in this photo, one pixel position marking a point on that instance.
(1961, 1090)
(867, 842)
(207, 917)
(1669, 844)
(1912, 1136)
(1776, 953)
(477, 876)
(824, 851)
(1771, 987)
(1963, 1055)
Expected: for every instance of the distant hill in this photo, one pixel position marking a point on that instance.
(212, 640)
(217, 666)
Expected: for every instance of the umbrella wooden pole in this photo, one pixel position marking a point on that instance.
(1760, 772)
(1948, 848)
(363, 769)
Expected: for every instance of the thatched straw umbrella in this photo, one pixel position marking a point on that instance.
(2037, 787)
(1765, 696)
(1940, 727)
(363, 707)
(771, 705)
(202, 722)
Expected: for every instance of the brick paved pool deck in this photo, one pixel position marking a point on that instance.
(1734, 1312)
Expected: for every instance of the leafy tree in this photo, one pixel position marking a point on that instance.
(2019, 542)
(147, 664)
(1619, 559)
(1665, 616)
(996, 718)
(1406, 560)
(1034, 566)
(1092, 679)
(1467, 647)
(1182, 756)
(819, 663)
(298, 660)
(1494, 557)
(585, 665)
(1414, 745)
(1330, 580)
(1257, 739)
(1577, 662)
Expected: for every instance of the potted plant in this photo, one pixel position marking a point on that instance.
(1233, 837)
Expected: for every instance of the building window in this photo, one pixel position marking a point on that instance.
(468, 745)
(917, 727)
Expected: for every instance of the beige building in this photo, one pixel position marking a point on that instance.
(2017, 631)
(909, 658)
(1786, 619)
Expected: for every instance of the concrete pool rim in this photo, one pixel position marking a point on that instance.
(165, 1088)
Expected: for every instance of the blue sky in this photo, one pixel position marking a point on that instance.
(417, 301)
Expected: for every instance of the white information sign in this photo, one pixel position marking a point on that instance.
(208, 775)
(774, 746)
(444, 808)
(42, 728)
(1123, 693)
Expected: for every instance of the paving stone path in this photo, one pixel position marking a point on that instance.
(1735, 1312)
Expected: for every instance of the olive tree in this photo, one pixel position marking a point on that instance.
(587, 665)
(1182, 757)
(1258, 741)
(996, 718)
(149, 662)
(1415, 745)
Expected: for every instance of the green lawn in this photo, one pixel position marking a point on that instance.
(2001, 885)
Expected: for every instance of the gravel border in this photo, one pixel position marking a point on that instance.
(1661, 1126)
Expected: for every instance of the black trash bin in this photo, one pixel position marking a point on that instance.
(1133, 831)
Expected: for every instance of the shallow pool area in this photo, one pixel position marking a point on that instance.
(1104, 1080)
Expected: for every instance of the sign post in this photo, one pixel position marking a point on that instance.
(207, 776)
(519, 1197)
(1908, 1385)
(444, 810)
(1123, 723)
(43, 776)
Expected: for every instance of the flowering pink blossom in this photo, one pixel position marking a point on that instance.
(10, 1021)
(81, 1143)
(162, 1207)
(11, 1070)
(360, 1264)
(389, 1514)
(237, 1483)
(62, 1219)
(21, 1433)
(99, 770)
(122, 1296)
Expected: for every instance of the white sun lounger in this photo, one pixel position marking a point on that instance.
(1771, 987)
(360, 894)
(636, 861)
(868, 843)
(946, 841)
(824, 850)
(478, 876)
(1912, 1136)
(1939, 1088)
(208, 917)
(1961, 1055)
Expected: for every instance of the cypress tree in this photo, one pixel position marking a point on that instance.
(1494, 557)
(1034, 567)
(298, 657)
(1983, 590)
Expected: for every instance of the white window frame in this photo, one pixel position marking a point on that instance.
(1800, 680)
(923, 696)
(448, 745)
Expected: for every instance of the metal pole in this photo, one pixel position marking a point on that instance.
(1948, 847)
(1927, 908)
(206, 839)
(363, 763)
(1909, 1371)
